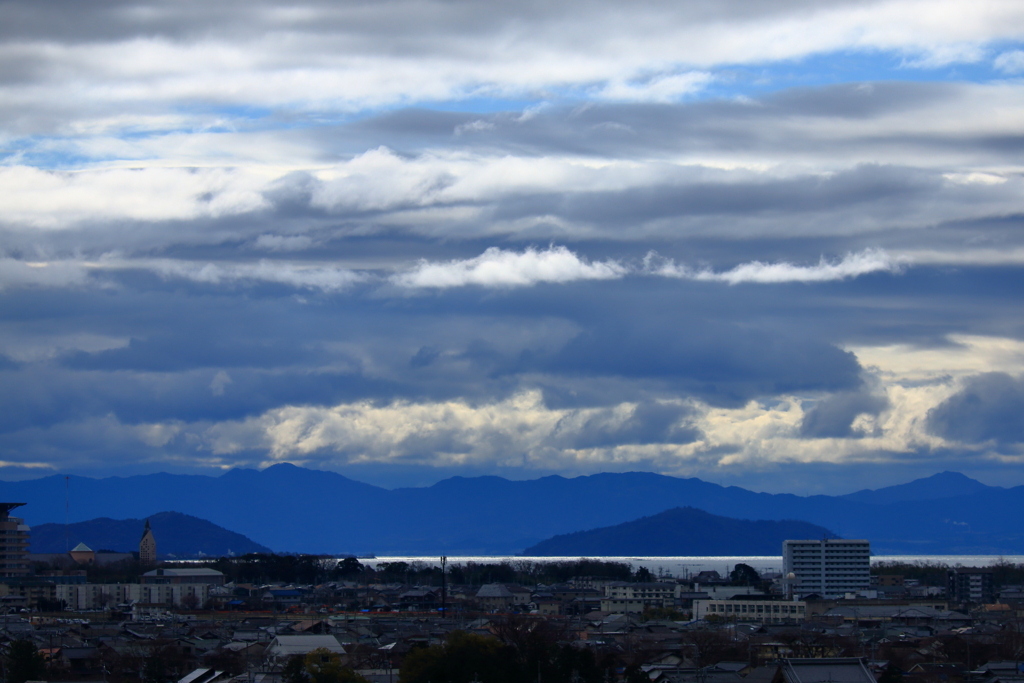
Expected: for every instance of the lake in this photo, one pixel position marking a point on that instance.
(687, 566)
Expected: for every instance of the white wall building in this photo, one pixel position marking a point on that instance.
(82, 596)
(828, 567)
(760, 611)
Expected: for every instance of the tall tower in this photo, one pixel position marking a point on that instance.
(147, 547)
(13, 543)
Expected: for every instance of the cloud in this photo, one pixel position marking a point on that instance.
(213, 223)
(303, 276)
(834, 416)
(644, 423)
(33, 197)
(219, 383)
(988, 407)
(19, 273)
(662, 88)
(348, 57)
(503, 269)
(851, 265)
(284, 242)
(1011, 62)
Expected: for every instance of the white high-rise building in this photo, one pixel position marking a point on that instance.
(829, 567)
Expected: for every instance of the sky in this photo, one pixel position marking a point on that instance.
(774, 245)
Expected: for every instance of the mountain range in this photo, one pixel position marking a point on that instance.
(679, 531)
(178, 535)
(291, 508)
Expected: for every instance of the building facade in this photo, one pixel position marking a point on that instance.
(970, 584)
(759, 611)
(165, 575)
(14, 538)
(656, 594)
(147, 547)
(97, 596)
(829, 567)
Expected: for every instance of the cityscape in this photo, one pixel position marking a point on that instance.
(91, 614)
(479, 341)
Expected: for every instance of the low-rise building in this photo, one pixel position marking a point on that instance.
(282, 648)
(760, 611)
(98, 596)
(622, 605)
(844, 669)
(184, 575)
(655, 594)
(498, 596)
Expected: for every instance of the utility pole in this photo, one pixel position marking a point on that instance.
(67, 513)
(444, 586)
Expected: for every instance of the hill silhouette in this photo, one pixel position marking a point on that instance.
(294, 509)
(176, 534)
(680, 531)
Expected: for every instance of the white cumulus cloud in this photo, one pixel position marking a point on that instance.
(851, 265)
(500, 268)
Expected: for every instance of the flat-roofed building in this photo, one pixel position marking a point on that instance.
(971, 584)
(652, 594)
(97, 596)
(184, 575)
(760, 611)
(829, 567)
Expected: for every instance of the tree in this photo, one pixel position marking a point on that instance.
(892, 674)
(348, 567)
(324, 666)
(295, 670)
(643, 575)
(155, 670)
(744, 575)
(464, 657)
(634, 674)
(24, 663)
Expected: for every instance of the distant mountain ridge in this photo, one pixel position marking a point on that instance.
(176, 534)
(935, 487)
(680, 531)
(290, 508)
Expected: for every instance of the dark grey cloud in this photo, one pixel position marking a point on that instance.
(857, 189)
(988, 408)
(725, 364)
(650, 423)
(655, 130)
(833, 416)
(396, 22)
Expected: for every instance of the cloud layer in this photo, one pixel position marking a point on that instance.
(774, 245)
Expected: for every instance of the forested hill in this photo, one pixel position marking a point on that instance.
(679, 531)
(176, 535)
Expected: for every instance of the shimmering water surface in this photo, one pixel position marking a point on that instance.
(688, 566)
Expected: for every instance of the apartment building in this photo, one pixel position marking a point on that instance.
(14, 536)
(829, 567)
(97, 596)
(970, 584)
